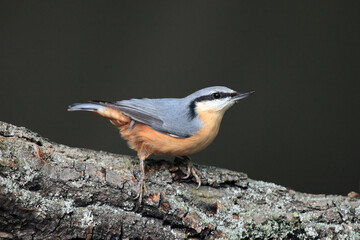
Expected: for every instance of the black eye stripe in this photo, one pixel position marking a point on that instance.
(216, 95)
(212, 96)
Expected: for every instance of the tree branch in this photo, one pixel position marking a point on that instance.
(50, 190)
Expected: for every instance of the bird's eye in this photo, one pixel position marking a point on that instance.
(216, 95)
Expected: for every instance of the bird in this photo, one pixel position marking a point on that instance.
(168, 126)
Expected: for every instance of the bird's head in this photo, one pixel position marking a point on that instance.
(214, 100)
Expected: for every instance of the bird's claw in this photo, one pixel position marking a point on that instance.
(188, 173)
(141, 189)
(191, 170)
(141, 184)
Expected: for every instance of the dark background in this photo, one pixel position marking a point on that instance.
(300, 129)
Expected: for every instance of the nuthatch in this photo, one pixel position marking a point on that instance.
(168, 126)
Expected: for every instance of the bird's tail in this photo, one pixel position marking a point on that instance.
(92, 107)
(102, 108)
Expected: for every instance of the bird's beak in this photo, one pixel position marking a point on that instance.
(241, 95)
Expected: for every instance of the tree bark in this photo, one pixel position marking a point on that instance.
(49, 190)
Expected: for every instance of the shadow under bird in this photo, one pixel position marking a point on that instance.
(168, 126)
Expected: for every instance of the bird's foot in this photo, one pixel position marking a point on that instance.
(191, 170)
(141, 184)
(141, 189)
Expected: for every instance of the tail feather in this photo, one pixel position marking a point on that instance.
(102, 109)
(85, 107)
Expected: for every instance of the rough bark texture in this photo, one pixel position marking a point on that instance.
(49, 190)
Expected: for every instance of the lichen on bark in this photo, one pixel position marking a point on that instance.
(51, 190)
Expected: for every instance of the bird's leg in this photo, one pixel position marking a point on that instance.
(191, 170)
(141, 185)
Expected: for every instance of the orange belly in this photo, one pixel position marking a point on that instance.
(143, 138)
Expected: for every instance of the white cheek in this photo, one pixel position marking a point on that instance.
(215, 105)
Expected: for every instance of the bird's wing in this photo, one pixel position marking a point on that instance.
(141, 110)
(146, 112)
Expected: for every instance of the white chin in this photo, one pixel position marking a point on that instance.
(227, 106)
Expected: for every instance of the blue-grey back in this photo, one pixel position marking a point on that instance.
(167, 115)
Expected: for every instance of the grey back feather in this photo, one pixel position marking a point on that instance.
(167, 115)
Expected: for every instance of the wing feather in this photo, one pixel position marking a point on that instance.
(163, 115)
(141, 110)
